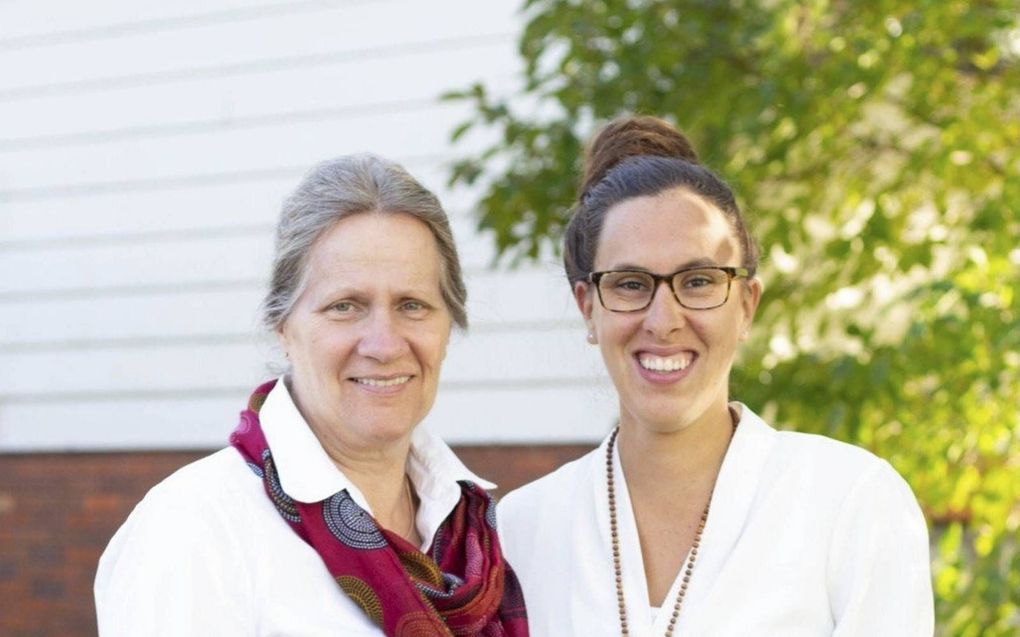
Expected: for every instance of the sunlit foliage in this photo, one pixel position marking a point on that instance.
(875, 147)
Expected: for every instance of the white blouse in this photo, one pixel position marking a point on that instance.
(807, 536)
(207, 553)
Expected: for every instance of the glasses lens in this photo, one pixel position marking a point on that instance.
(701, 289)
(626, 291)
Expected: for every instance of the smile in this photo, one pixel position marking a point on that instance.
(382, 382)
(665, 364)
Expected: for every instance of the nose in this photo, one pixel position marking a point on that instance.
(664, 314)
(382, 339)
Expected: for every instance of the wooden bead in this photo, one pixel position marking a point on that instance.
(618, 571)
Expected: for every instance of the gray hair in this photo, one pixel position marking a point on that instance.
(340, 188)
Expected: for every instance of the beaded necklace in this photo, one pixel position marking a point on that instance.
(614, 534)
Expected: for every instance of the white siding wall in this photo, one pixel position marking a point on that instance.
(145, 147)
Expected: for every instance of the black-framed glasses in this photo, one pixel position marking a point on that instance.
(697, 288)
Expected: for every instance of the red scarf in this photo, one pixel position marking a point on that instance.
(462, 587)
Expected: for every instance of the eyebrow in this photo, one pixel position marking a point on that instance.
(359, 293)
(693, 263)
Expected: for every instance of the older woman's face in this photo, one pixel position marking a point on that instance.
(367, 336)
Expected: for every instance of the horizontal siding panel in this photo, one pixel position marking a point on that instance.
(537, 295)
(567, 413)
(138, 264)
(176, 210)
(151, 422)
(269, 149)
(26, 24)
(481, 360)
(77, 323)
(146, 150)
(364, 30)
(239, 257)
(578, 411)
(341, 89)
(497, 300)
(72, 375)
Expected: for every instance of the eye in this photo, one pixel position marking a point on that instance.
(414, 307)
(697, 281)
(631, 284)
(702, 279)
(343, 307)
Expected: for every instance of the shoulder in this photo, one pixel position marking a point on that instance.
(809, 461)
(877, 553)
(529, 516)
(824, 474)
(827, 456)
(220, 478)
(549, 491)
(183, 545)
(854, 477)
(846, 484)
(196, 505)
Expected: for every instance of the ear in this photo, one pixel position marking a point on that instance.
(446, 343)
(750, 297)
(583, 295)
(282, 339)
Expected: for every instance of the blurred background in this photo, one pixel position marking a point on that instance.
(145, 149)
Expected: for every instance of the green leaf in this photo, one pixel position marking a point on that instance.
(809, 110)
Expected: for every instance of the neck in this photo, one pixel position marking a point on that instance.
(380, 473)
(381, 476)
(377, 468)
(663, 461)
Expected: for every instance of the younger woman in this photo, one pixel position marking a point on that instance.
(694, 516)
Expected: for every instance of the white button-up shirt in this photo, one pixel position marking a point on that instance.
(807, 537)
(206, 552)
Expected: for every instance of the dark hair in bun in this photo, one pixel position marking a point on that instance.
(641, 156)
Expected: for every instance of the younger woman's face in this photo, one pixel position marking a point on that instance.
(662, 234)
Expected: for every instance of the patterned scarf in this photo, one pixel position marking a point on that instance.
(462, 587)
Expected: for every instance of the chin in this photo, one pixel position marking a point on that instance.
(385, 434)
(668, 419)
(395, 426)
(667, 426)
(668, 414)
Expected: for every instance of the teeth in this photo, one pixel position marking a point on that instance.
(658, 364)
(376, 382)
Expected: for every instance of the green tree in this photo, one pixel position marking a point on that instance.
(876, 150)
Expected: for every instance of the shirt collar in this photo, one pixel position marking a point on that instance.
(307, 473)
(732, 500)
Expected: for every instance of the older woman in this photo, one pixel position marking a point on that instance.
(695, 517)
(331, 513)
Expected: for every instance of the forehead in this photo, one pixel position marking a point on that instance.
(375, 247)
(666, 232)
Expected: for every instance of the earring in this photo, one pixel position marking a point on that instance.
(591, 338)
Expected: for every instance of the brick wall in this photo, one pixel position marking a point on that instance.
(57, 512)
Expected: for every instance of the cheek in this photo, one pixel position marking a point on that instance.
(324, 352)
(439, 341)
(430, 352)
(442, 343)
(724, 333)
(614, 336)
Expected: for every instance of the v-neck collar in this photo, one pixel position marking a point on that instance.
(731, 502)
